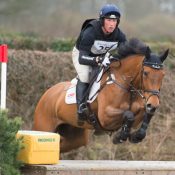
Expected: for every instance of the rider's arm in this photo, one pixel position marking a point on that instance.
(85, 59)
(85, 55)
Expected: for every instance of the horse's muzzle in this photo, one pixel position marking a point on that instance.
(150, 109)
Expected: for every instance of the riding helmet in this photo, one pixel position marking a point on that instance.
(110, 11)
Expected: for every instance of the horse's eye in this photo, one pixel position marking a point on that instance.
(145, 73)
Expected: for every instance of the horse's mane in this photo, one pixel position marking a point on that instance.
(133, 46)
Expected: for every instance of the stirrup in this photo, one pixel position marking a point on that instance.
(82, 112)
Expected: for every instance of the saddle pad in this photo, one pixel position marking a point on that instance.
(70, 97)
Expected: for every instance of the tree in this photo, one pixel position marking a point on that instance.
(9, 145)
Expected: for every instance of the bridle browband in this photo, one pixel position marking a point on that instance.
(153, 65)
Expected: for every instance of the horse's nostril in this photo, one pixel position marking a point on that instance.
(148, 105)
(150, 108)
(153, 109)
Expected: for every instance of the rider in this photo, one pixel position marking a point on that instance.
(96, 37)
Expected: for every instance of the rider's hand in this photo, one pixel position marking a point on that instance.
(106, 62)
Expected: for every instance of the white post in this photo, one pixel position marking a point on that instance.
(3, 85)
(3, 60)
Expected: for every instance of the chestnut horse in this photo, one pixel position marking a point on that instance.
(144, 100)
(137, 72)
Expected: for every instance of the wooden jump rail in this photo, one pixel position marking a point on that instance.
(102, 167)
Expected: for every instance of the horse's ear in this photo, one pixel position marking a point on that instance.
(148, 52)
(164, 55)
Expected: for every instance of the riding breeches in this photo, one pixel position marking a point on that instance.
(82, 70)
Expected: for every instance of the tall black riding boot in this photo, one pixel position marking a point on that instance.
(81, 103)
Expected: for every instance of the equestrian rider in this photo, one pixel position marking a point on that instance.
(95, 38)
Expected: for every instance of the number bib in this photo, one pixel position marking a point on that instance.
(100, 47)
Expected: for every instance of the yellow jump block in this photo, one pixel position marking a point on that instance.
(39, 147)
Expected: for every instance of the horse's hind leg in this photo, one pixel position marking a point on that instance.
(72, 137)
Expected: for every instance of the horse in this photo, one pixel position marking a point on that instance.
(146, 98)
(114, 108)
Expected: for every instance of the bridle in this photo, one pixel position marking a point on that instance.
(142, 91)
(132, 89)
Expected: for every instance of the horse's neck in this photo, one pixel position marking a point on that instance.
(130, 66)
(132, 63)
(137, 67)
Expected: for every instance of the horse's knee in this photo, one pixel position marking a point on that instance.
(125, 130)
(128, 115)
(128, 118)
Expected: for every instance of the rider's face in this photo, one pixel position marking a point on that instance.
(109, 25)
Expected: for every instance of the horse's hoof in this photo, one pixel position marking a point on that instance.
(137, 137)
(133, 139)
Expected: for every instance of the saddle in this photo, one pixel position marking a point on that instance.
(92, 91)
(90, 95)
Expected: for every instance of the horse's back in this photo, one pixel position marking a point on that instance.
(45, 116)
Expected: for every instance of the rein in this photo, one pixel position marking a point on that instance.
(111, 79)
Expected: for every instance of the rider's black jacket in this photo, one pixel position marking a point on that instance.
(93, 42)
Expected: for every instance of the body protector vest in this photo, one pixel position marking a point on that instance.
(101, 42)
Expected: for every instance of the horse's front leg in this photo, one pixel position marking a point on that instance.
(140, 134)
(128, 119)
